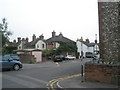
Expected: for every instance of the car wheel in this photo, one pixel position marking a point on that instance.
(16, 67)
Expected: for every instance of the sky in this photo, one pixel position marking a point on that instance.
(73, 18)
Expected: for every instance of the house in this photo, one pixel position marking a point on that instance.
(34, 47)
(53, 42)
(14, 43)
(85, 46)
(37, 45)
(41, 43)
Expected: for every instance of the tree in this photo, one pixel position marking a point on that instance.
(67, 47)
(9, 49)
(63, 48)
(4, 33)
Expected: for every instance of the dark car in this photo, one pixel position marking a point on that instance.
(96, 57)
(9, 64)
(59, 58)
(89, 55)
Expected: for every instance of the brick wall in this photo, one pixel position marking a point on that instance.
(27, 58)
(105, 73)
(50, 47)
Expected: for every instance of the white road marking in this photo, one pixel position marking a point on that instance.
(59, 85)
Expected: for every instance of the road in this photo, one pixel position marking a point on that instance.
(38, 75)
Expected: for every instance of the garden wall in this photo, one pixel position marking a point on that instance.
(27, 58)
(105, 73)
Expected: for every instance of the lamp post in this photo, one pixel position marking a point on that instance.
(81, 40)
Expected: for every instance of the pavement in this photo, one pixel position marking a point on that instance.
(76, 82)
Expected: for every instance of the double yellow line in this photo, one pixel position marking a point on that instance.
(51, 83)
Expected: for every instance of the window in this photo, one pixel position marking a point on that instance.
(37, 46)
(19, 47)
(6, 57)
(43, 45)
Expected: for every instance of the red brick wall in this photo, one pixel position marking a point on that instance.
(102, 73)
(50, 47)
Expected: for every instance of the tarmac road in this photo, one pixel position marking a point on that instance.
(43, 75)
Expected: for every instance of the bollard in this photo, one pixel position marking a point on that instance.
(82, 72)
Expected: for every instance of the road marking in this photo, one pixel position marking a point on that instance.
(59, 85)
(51, 83)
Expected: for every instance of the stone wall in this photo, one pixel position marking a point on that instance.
(104, 73)
(109, 30)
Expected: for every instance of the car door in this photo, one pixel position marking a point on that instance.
(6, 64)
(0, 63)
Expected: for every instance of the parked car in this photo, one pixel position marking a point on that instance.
(12, 57)
(9, 64)
(89, 55)
(59, 58)
(70, 57)
(96, 57)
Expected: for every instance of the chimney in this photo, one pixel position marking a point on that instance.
(60, 35)
(81, 39)
(53, 34)
(19, 39)
(23, 39)
(96, 38)
(33, 37)
(27, 39)
(41, 37)
(87, 40)
(14, 41)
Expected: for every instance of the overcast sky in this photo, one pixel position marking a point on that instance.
(74, 18)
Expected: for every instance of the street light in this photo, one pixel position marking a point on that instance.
(81, 40)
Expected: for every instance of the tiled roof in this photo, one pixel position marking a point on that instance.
(89, 44)
(58, 38)
(32, 43)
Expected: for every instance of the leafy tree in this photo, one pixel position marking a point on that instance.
(67, 47)
(9, 49)
(4, 33)
(63, 48)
